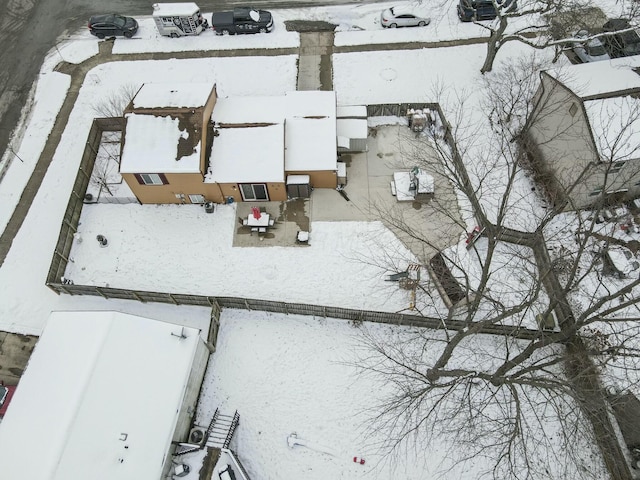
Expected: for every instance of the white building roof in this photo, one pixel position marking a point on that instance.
(615, 123)
(311, 103)
(599, 78)
(151, 146)
(174, 9)
(351, 111)
(308, 125)
(171, 95)
(352, 128)
(248, 155)
(239, 110)
(311, 144)
(99, 399)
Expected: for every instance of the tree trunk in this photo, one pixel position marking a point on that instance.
(494, 43)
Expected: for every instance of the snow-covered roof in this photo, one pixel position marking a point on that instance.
(248, 155)
(259, 109)
(151, 146)
(311, 144)
(615, 123)
(174, 9)
(306, 141)
(172, 95)
(351, 111)
(352, 127)
(99, 398)
(241, 110)
(311, 103)
(599, 78)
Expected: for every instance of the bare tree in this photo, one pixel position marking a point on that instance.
(526, 403)
(114, 105)
(544, 24)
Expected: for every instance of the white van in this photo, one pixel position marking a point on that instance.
(178, 19)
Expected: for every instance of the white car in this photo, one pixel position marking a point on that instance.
(404, 16)
(591, 50)
(622, 260)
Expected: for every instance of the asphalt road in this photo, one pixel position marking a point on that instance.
(30, 28)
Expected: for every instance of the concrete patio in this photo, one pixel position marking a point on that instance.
(423, 226)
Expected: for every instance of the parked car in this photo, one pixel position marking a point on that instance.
(470, 10)
(404, 16)
(589, 50)
(621, 261)
(112, 25)
(242, 20)
(621, 44)
(6, 393)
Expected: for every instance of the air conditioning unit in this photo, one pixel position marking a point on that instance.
(198, 436)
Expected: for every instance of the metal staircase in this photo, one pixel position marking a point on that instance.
(221, 429)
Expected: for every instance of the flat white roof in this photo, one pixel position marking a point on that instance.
(151, 146)
(311, 103)
(248, 155)
(311, 144)
(352, 128)
(599, 78)
(307, 120)
(615, 123)
(99, 399)
(237, 110)
(357, 111)
(174, 9)
(172, 95)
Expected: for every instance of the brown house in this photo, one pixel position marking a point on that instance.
(184, 144)
(164, 146)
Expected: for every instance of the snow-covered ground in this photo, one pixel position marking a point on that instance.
(299, 375)
(284, 374)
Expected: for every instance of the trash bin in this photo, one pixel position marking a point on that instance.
(209, 207)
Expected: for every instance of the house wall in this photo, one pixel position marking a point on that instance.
(192, 391)
(178, 183)
(277, 192)
(319, 178)
(566, 145)
(205, 121)
(564, 141)
(189, 403)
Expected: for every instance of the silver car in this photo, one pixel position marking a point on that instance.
(403, 16)
(589, 50)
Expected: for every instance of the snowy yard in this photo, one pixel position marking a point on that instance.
(287, 374)
(283, 374)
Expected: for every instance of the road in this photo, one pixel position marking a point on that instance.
(30, 28)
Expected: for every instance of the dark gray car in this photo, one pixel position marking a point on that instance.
(622, 44)
(112, 25)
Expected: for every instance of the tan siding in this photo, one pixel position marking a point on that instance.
(320, 178)
(184, 183)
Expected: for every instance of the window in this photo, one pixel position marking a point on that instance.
(573, 109)
(616, 167)
(256, 191)
(196, 198)
(151, 179)
(596, 192)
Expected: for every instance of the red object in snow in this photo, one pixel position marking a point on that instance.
(474, 233)
(256, 213)
(358, 460)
